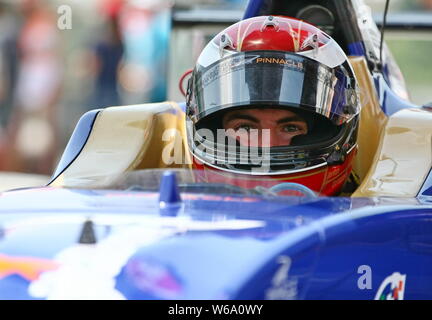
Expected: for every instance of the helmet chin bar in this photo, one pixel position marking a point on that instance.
(256, 170)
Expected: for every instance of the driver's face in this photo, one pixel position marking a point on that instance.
(282, 125)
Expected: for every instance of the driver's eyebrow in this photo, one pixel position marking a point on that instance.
(290, 119)
(241, 116)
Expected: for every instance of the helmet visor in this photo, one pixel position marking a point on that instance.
(269, 78)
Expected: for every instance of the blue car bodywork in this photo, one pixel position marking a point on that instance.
(213, 247)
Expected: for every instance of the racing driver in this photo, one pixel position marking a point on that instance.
(273, 99)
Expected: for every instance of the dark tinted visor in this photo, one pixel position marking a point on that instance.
(269, 78)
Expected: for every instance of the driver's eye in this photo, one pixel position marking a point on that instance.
(245, 127)
(291, 128)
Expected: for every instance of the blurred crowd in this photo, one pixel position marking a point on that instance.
(59, 59)
(400, 5)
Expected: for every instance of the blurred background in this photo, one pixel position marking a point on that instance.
(61, 58)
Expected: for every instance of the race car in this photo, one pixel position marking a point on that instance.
(118, 221)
